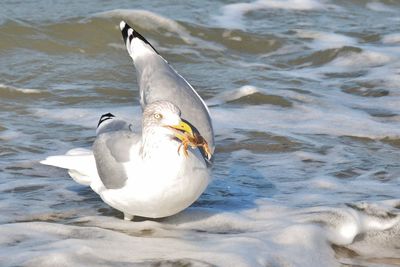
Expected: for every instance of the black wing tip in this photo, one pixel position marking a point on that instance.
(105, 117)
(126, 33)
(124, 27)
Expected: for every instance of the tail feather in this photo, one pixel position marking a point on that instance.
(80, 164)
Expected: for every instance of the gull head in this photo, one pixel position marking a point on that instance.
(165, 117)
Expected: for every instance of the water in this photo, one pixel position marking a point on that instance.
(304, 96)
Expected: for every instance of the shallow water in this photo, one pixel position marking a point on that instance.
(304, 96)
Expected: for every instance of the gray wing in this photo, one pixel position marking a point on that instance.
(111, 149)
(159, 81)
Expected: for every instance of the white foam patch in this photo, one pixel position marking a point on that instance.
(391, 79)
(361, 60)
(21, 90)
(325, 183)
(8, 135)
(232, 95)
(380, 7)
(118, 46)
(393, 38)
(232, 14)
(326, 40)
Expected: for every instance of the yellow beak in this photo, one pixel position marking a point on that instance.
(182, 128)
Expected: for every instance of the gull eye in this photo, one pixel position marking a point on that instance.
(157, 116)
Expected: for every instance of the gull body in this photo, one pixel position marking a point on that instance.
(148, 176)
(144, 172)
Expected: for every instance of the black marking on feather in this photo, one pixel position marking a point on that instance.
(124, 31)
(105, 117)
(134, 34)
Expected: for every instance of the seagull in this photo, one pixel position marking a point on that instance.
(147, 172)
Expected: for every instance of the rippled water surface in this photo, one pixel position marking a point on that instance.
(304, 96)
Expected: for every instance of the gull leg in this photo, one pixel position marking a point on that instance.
(128, 217)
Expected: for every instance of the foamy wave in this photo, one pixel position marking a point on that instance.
(148, 20)
(262, 236)
(313, 118)
(232, 14)
(153, 21)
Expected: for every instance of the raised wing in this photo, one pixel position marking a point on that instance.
(159, 81)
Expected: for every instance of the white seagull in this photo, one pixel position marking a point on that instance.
(146, 173)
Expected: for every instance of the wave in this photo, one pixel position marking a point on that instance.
(148, 20)
(262, 236)
(12, 92)
(247, 94)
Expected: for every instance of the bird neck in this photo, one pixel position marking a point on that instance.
(156, 140)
